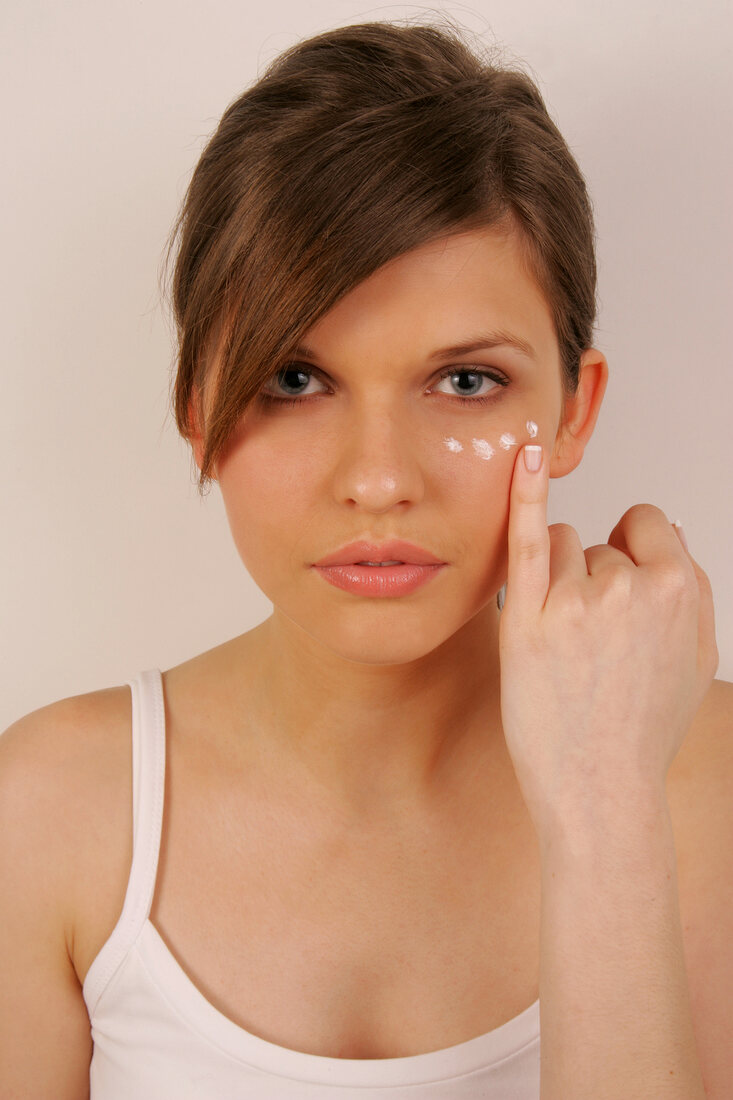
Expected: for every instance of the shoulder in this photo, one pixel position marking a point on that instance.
(65, 724)
(700, 784)
(700, 795)
(65, 749)
(705, 759)
(65, 804)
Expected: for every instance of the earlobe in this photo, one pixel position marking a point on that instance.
(580, 413)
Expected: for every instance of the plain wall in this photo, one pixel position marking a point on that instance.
(110, 562)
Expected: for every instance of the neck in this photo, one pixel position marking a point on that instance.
(372, 739)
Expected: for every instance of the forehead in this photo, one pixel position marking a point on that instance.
(439, 293)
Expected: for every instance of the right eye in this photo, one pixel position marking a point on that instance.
(292, 379)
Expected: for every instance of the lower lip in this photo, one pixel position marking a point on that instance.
(379, 580)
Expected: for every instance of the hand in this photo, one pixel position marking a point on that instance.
(606, 655)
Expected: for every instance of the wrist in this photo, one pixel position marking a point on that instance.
(606, 826)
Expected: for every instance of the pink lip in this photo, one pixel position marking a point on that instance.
(379, 580)
(395, 550)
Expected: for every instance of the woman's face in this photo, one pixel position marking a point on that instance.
(378, 444)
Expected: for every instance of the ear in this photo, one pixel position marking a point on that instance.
(580, 413)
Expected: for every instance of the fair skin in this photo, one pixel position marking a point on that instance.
(626, 623)
(378, 769)
(339, 675)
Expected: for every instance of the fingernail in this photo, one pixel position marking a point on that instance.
(532, 458)
(678, 527)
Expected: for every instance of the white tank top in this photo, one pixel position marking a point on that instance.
(157, 1037)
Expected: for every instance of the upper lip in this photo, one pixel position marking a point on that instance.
(396, 550)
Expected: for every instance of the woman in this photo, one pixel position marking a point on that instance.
(456, 785)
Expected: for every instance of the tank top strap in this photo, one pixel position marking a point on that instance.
(148, 789)
(148, 786)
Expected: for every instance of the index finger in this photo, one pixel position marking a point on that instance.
(528, 578)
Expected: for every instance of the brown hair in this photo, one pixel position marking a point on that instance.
(354, 147)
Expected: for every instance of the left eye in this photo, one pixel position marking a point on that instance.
(473, 379)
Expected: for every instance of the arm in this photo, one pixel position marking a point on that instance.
(606, 655)
(615, 1007)
(45, 1041)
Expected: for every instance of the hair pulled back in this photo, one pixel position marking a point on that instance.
(354, 147)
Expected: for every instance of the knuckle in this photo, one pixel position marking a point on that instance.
(560, 530)
(573, 606)
(617, 585)
(530, 549)
(647, 511)
(528, 552)
(674, 579)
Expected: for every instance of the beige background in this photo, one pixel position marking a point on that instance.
(109, 561)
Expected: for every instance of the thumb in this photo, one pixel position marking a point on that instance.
(528, 577)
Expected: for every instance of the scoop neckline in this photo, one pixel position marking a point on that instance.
(186, 1000)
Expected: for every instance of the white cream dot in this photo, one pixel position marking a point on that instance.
(482, 448)
(507, 440)
(532, 428)
(453, 444)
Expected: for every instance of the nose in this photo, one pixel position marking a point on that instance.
(378, 461)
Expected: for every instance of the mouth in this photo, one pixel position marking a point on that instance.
(375, 555)
(381, 564)
(373, 578)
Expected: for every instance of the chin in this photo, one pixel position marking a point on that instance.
(375, 653)
(381, 635)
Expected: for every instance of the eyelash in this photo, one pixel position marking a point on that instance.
(269, 398)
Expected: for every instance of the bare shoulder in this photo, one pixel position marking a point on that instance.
(710, 737)
(64, 825)
(66, 728)
(65, 800)
(700, 789)
(699, 781)
(700, 794)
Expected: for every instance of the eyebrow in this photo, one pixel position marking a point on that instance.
(487, 340)
(475, 343)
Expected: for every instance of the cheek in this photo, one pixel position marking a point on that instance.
(477, 469)
(480, 466)
(474, 479)
(261, 496)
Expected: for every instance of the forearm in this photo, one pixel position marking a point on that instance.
(615, 1010)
